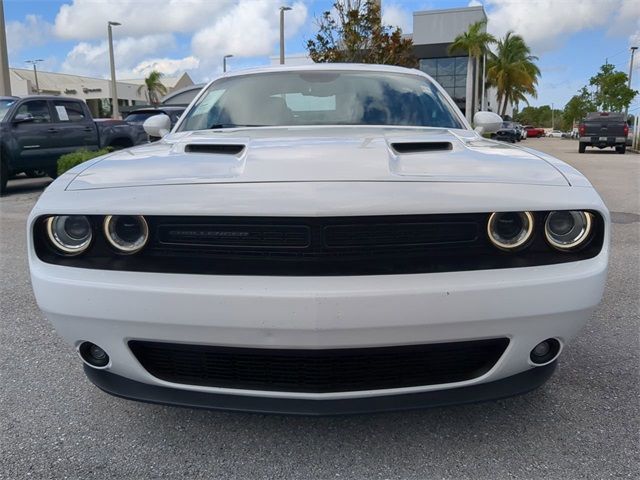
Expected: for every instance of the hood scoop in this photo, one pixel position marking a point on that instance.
(220, 148)
(421, 147)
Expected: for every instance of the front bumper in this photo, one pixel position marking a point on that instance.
(506, 387)
(110, 308)
(610, 141)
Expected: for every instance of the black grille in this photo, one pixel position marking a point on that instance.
(230, 235)
(319, 371)
(399, 234)
(317, 246)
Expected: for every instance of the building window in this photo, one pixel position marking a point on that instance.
(451, 73)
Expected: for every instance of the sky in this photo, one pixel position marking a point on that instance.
(572, 38)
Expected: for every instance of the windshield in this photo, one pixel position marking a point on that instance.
(321, 98)
(5, 104)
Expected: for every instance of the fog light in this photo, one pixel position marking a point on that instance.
(93, 355)
(545, 351)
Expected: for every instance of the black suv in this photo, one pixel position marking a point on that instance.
(507, 133)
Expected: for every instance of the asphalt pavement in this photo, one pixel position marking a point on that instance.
(584, 423)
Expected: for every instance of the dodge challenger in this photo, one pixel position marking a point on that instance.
(318, 240)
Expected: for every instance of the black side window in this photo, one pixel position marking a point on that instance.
(69, 111)
(38, 109)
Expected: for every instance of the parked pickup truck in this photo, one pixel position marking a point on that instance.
(604, 129)
(36, 130)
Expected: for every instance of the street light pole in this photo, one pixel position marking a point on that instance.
(5, 80)
(35, 72)
(633, 53)
(114, 91)
(224, 62)
(282, 10)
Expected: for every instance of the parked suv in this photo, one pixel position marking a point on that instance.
(508, 133)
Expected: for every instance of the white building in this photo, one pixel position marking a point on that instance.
(433, 32)
(95, 91)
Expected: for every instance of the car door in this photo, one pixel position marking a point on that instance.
(34, 135)
(75, 128)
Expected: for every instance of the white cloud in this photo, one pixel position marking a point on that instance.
(244, 28)
(397, 16)
(250, 28)
(87, 19)
(168, 66)
(475, 3)
(545, 23)
(627, 21)
(93, 58)
(33, 32)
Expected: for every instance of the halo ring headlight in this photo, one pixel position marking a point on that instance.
(510, 230)
(127, 234)
(70, 234)
(567, 229)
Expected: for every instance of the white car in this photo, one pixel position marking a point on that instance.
(319, 239)
(555, 134)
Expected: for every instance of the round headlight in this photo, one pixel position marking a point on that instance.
(71, 234)
(126, 233)
(566, 230)
(510, 230)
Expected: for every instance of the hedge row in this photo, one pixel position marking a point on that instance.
(70, 160)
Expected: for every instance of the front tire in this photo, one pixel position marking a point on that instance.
(4, 177)
(35, 173)
(582, 147)
(52, 173)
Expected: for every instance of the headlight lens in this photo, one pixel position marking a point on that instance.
(566, 230)
(510, 230)
(71, 234)
(126, 233)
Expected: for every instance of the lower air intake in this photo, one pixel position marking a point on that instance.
(319, 371)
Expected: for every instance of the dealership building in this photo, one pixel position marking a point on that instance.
(433, 33)
(95, 91)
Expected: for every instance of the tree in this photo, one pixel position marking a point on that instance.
(154, 86)
(475, 43)
(577, 108)
(356, 34)
(612, 93)
(512, 70)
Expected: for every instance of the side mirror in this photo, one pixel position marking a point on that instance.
(487, 122)
(157, 126)
(23, 118)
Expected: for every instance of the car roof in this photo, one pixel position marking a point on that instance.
(322, 67)
(175, 93)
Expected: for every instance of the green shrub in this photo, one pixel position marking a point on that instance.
(70, 160)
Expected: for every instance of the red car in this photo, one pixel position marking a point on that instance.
(534, 132)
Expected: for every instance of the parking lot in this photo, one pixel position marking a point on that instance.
(584, 423)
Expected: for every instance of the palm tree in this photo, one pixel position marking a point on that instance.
(512, 71)
(154, 87)
(475, 42)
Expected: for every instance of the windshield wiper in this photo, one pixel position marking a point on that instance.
(232, 125)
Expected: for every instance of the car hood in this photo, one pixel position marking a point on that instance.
(314, 154)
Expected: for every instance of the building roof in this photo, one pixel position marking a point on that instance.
(58, 82)
(169, 82)
(478, 8)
